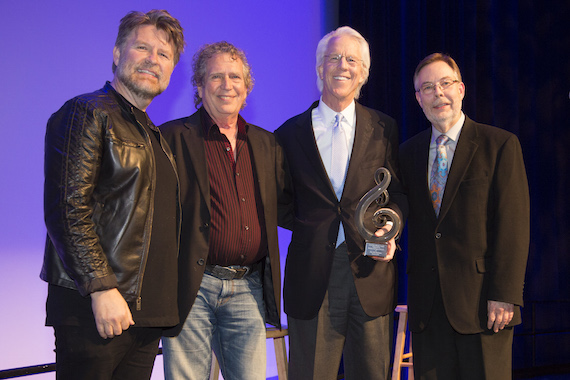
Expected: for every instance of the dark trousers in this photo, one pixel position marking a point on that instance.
(442, 353)
(341, 329)
(82, 354)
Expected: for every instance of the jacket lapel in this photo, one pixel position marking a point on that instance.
(466, 148)
(194, 138)
(420, 176)
(260, 159)
(306, 140)
(362, 137)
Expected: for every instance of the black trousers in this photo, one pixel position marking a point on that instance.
(82, 354)
(442, 353)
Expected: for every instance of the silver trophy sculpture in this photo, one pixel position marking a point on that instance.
(377, 245)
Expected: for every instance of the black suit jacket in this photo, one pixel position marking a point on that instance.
(317, 213)
(186, 139)
(477, 249)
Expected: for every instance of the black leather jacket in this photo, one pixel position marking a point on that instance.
(99, 195)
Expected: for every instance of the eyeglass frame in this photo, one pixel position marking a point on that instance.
(337, 58)
(431, 88)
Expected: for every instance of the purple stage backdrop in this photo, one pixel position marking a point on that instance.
(54, 50)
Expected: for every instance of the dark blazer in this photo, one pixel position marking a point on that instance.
(317, 213)
(186, 139)
(477, 249)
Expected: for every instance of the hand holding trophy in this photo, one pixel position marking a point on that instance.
(377, 245)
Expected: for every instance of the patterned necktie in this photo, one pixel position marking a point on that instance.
(439, 172)
(339, 157)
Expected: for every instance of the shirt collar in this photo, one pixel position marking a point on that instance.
(208, 123)
(453, 132)
(328, 115)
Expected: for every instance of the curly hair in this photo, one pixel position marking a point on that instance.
(200, 65)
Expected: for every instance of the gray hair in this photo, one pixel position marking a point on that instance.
(364, 52)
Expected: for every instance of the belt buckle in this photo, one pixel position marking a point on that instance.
(224, 273)
(229, 273)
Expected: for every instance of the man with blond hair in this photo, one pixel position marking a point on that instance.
(112, 213)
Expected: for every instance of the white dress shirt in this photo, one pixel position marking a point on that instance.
(323, 120)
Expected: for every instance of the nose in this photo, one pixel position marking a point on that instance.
(438, 90)
(152, 56)
(226, 83)
(343, 62)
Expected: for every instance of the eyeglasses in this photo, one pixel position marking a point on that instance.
(428, 87)
(336, 58)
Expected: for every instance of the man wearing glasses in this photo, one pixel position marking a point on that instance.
(337, 300)
(468, 232)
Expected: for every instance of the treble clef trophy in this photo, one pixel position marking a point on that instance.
(377, 245)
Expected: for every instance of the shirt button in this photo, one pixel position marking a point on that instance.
(438, 235)
(243, 199)
(201, 261)
(246, 228)
(227, 149)
(237, 173)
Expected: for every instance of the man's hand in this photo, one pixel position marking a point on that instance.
(112, 314)
(391, 244)
(500, 314)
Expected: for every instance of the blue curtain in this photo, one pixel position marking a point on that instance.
(515, 61)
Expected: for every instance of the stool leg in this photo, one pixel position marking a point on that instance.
(410, 360)
(399, 348)
(281, 357)
(402, 359)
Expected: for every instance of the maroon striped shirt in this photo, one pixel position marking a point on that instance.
(237, 225)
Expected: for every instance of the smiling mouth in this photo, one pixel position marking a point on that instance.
(340, 78)
(143, 71)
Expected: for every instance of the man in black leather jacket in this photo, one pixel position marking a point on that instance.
(112, 213)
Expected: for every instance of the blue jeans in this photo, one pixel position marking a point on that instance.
(227, 317)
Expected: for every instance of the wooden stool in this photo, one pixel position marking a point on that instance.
(280, 353)
(402, 359)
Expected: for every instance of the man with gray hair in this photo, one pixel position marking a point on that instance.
(112, 213)
(231, 173)
(338, 301)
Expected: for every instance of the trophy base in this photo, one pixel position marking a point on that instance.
(376, 249)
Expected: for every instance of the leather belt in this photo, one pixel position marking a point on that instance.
(234, 272)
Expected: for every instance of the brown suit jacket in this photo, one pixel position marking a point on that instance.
(185, 137)
(477, 249)
(317, 213)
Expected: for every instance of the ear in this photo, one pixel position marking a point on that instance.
(461, 87)
(200, 91)
(320, 72)
(418, 98)
(116, 55)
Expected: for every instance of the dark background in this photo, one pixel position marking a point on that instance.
(515, 63)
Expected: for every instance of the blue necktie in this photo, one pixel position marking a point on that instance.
(339, 159)
(439, 172)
